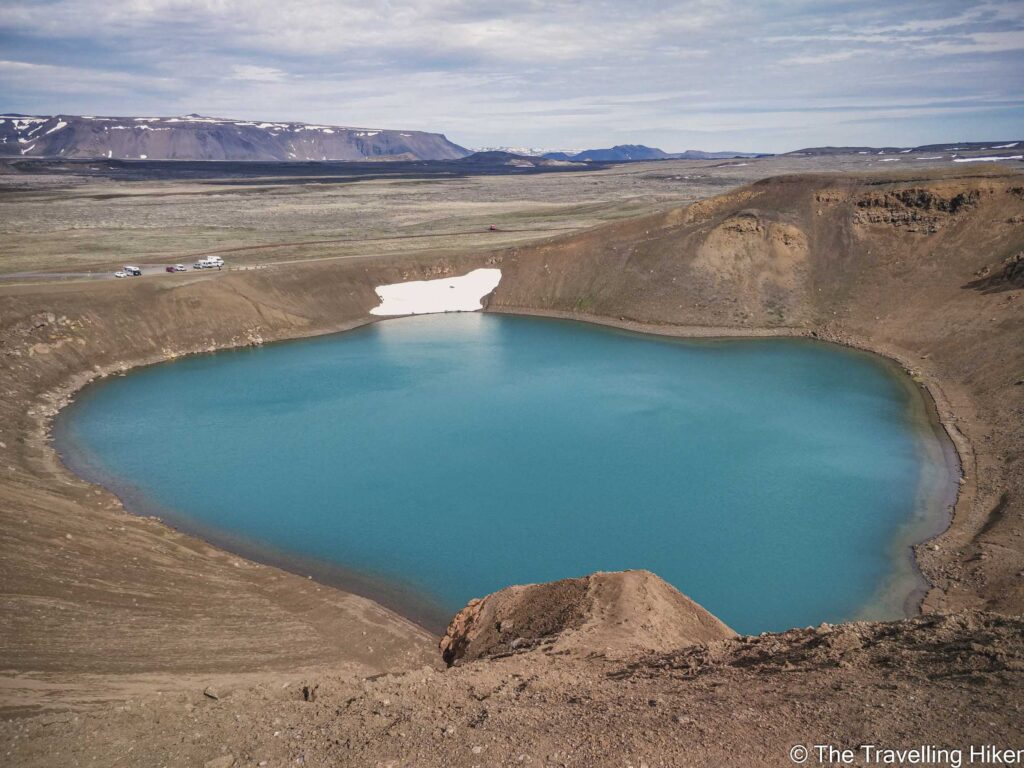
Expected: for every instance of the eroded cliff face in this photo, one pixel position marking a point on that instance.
(916, 209)
(755, 257)
(803, 251)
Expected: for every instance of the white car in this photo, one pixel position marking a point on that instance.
(120, 273)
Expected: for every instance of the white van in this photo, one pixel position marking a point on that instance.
(210, 262)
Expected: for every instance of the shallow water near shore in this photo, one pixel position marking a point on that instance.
(428, 460)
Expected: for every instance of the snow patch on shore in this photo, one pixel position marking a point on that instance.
(449, 294)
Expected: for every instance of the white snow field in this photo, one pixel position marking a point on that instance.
(448, 294)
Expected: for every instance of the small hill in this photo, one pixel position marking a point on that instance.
(697, 154)
(628, 610)
(628, 152)
(492, 158)
(195, 137)
(622, 152)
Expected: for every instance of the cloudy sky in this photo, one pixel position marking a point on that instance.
(701, 74)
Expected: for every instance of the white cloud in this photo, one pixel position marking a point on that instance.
(978, 42)
(827, 57)
(560, 72)
(59, 79)
(555, 30)
(257, 74)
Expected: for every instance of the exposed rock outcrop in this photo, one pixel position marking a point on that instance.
(1006, 275)
(916, 209)
(603, 612)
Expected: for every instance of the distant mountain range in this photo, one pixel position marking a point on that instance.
(963, 151)
(195, 137)
(625, 152)
(1000, 148)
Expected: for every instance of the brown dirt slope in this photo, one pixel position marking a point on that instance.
(946, 681)
(90, 590)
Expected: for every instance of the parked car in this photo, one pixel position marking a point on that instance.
(120, 273)
(176, 268)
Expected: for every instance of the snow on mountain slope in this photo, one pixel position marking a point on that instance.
(195, 137)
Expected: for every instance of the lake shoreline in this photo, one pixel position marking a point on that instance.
(939, 417)
(907, 585)
(407, 601)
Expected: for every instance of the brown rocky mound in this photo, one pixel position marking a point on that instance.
(604, 612)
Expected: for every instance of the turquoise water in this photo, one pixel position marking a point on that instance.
(774, 481)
